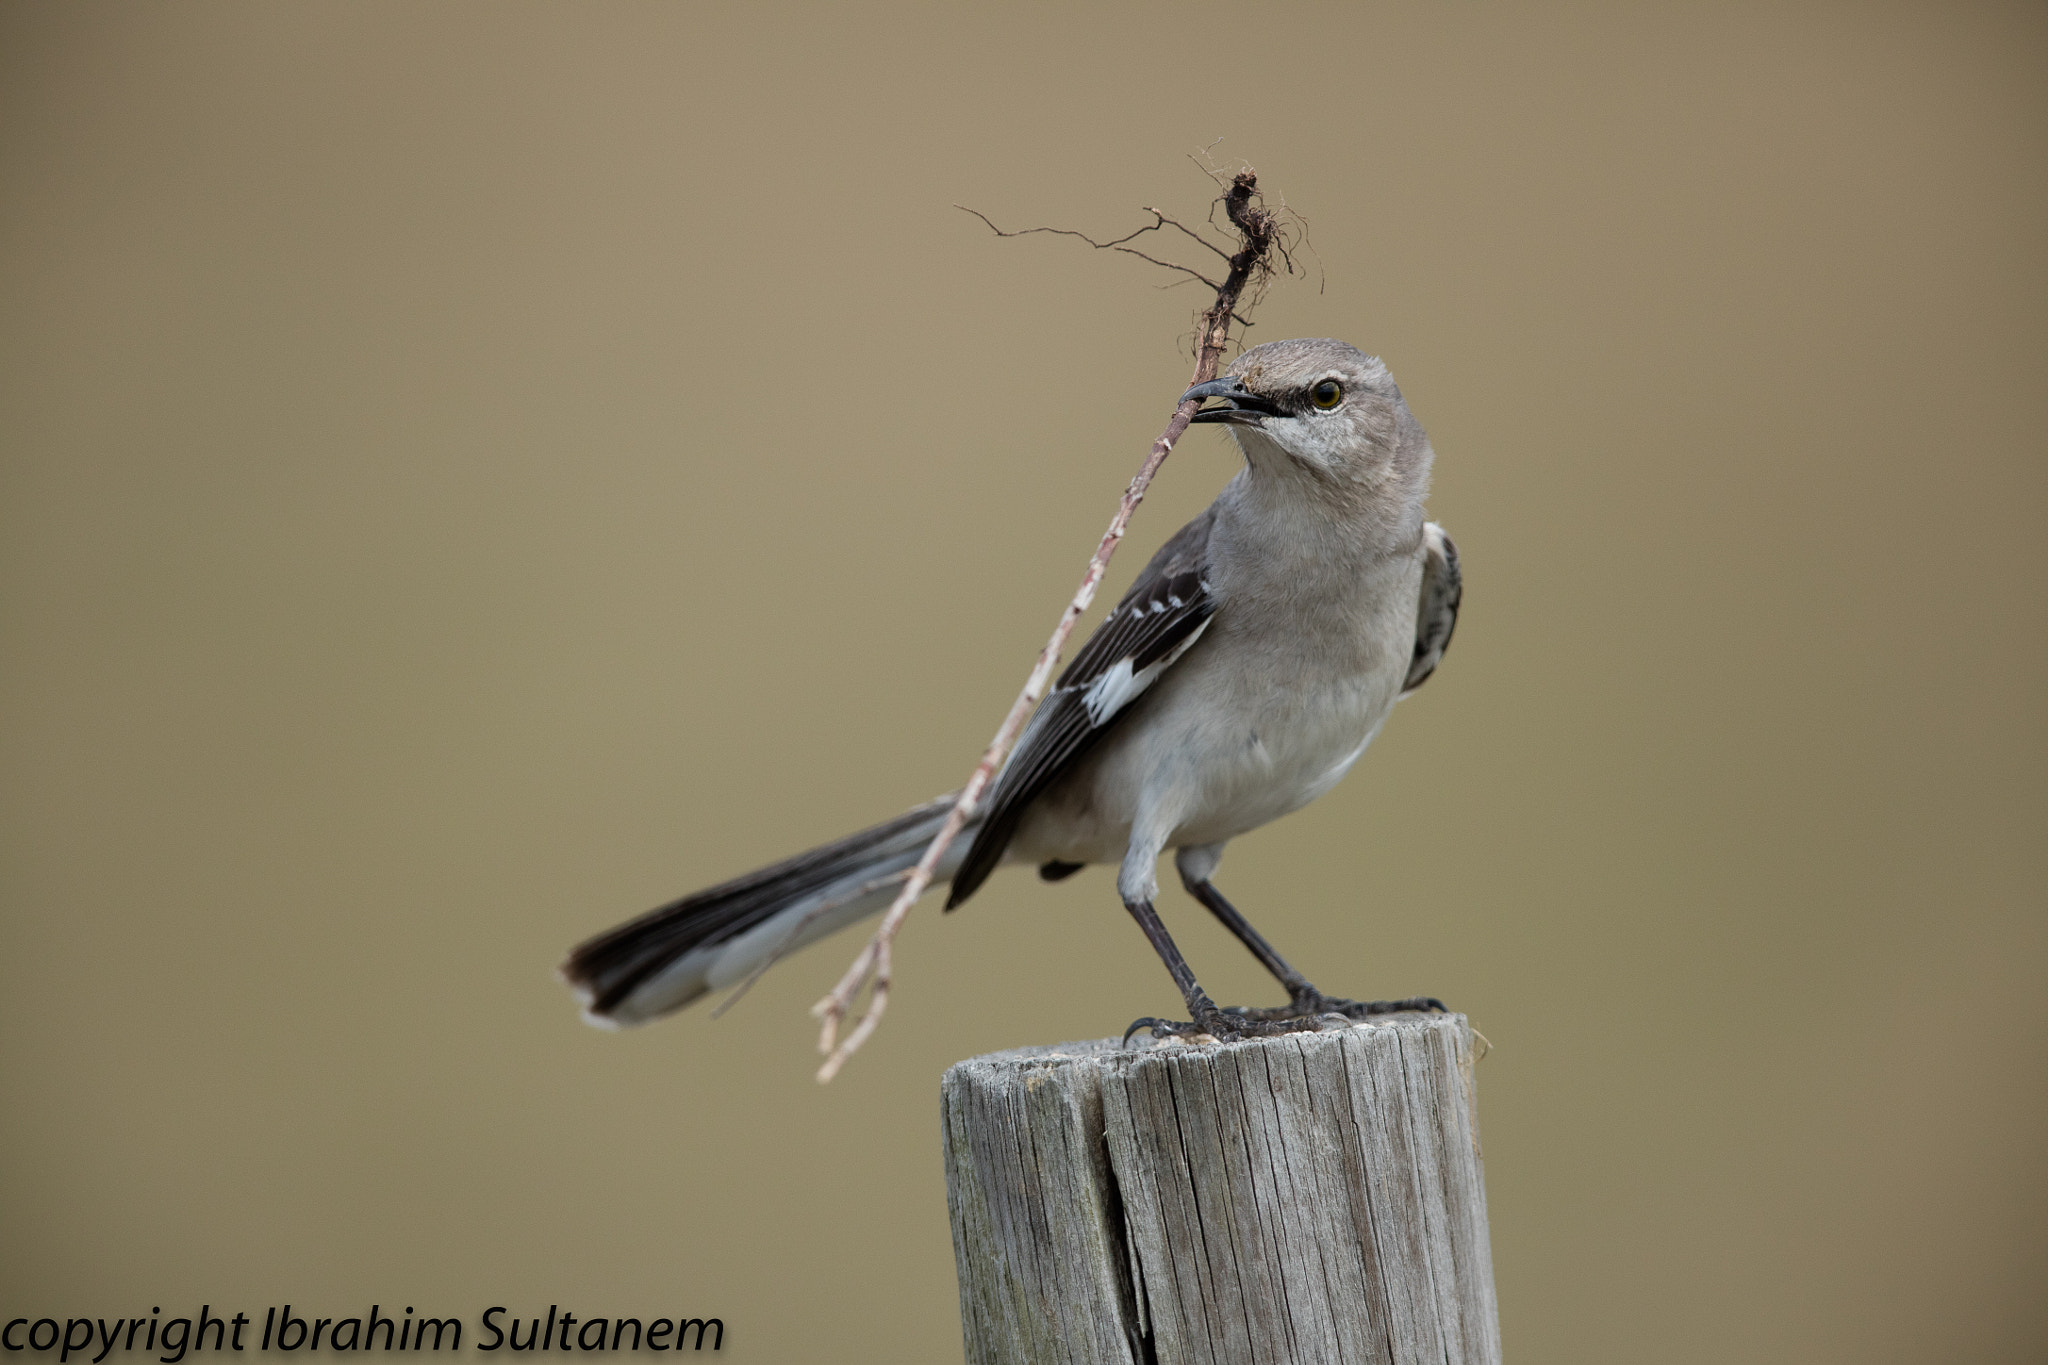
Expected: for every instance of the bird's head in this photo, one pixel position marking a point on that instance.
(1321, 407)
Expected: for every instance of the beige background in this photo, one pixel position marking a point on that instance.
(472, 472)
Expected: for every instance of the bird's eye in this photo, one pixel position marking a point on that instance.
(1327, 394)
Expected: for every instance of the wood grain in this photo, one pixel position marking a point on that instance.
(1314, 1198)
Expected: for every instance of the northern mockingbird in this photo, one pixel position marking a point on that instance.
(1241, 676)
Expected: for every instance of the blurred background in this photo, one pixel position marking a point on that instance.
(469, 473)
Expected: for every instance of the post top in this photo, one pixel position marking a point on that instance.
(1111, 1051)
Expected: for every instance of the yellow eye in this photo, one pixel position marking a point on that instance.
(1327, 394)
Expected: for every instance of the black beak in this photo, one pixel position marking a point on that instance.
(1246, 407)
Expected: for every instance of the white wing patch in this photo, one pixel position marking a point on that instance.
(1119, 686)
(1436, 616)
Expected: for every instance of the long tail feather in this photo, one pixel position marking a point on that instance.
(714, 938)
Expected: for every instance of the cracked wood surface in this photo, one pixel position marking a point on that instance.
(1317, 1197)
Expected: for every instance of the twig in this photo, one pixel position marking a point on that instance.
(1259, 232)
(1165, 221)
(1115, 243)
(788, 940)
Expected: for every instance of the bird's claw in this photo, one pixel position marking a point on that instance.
(1305, 1013)
(1224, 1026)
(1314, 1004)
(1148, 1022)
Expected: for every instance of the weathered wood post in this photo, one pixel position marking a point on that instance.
(1311, 1198)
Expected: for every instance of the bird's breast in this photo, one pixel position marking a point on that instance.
(1266, 713)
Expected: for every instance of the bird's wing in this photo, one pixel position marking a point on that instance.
(1162, 615)
(1437, 616)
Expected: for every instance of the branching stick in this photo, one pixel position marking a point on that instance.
(1260, 242)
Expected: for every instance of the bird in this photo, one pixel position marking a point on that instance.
(1246, 670)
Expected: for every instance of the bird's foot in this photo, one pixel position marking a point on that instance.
(1312, 1004)
(1232, 1025)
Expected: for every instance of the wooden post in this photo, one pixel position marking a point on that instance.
(1311, 1198)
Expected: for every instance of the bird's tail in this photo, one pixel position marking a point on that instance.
(718, 937)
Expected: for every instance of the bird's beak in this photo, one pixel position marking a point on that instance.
(1246, 408)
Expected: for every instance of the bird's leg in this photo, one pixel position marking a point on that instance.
(1203, 1016)
(1303, 999)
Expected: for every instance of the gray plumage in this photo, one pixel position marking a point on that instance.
(1241, 676)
